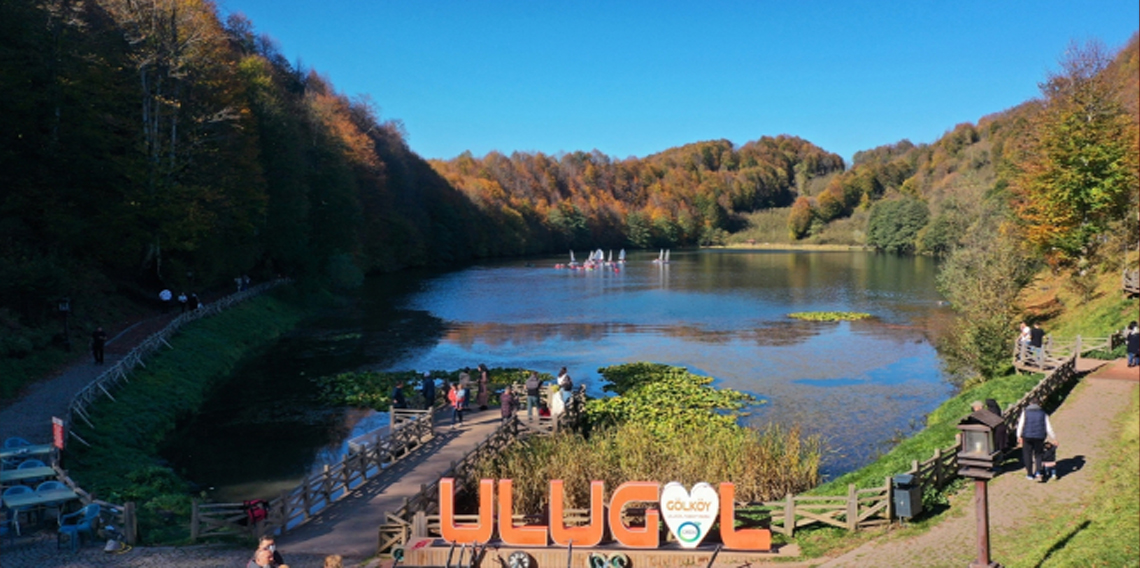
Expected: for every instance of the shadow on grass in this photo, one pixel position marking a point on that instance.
(1064, 541)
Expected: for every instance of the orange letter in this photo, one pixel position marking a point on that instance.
(466, 533)
(647, 537)
(534, 535)
(744, 539)
(589, 535)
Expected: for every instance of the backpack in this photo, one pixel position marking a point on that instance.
(256, 510)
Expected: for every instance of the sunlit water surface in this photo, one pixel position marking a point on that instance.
(719, 313)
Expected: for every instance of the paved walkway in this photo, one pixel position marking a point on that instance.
(350, 527)
(1085, 428)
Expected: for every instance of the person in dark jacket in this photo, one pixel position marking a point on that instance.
(398, 400)
(98, 341)
(427, 389)
(1036, 341)
(1033, 428)
(508, 404)
(533, 388)
(1132, 340)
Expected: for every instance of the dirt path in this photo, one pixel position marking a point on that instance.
(1084, 424)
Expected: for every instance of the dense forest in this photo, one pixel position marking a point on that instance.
(148, 144)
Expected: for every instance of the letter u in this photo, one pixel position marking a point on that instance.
(466, 533)
(532, 535)
(589, 535)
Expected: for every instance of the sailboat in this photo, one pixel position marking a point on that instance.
(662, 257)
(611, 260)
(621, 257)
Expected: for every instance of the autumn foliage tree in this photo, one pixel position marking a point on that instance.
(1078, 167)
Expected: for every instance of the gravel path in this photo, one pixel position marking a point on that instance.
(1084, 425)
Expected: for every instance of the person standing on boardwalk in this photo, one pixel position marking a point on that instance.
(398, 400)
(1132, 339)
(1033, 428)
(455, 397)
(98, 340)
(427, 389)
(465, 387)
(508, 404)
(484, 387)
(533, 388)
(1036, 341)
(565, 384)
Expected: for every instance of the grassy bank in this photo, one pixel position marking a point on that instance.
(123, 464)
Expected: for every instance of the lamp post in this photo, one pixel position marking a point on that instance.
(976, 456)
(65, 311)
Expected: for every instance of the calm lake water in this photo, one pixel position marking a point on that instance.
(719, 313)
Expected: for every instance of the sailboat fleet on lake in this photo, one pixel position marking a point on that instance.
(597, 260)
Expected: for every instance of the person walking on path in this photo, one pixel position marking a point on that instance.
(455, 398)
(565, 385)
(182, 301)
(484, 387)
(1033, 428)
(533, 387)
(508, 404)
(1132, 339)
(165, 296)
(98, 341)
(427, 389)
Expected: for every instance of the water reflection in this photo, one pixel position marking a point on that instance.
(720, 313)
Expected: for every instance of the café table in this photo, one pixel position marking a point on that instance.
(38, 499)
(24, 452)
(13, 476)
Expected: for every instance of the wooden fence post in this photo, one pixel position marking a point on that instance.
(1077, 349)
(890, 500)
(852, 508)
(193, 520)
(131, 523)
(790, 515)
(938, 474)
(419, 525)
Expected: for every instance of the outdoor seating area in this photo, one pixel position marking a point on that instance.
(32, 497)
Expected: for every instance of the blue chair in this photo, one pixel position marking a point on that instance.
(15, 442)
(55, 509)
(15, 511)
(28, 464)
(76, 524)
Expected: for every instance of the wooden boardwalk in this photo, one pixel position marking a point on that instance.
(350, 527)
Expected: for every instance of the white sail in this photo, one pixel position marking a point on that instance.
(572, 257)
(621, 256)
(666, 256)
(611, 261)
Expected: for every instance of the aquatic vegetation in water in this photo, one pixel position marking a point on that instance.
(829, 316)
(373, 389)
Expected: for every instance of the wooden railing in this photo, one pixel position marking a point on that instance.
(1131, 282)
(116, 374)
(412, 519)
(317, 491)
(1054, 352)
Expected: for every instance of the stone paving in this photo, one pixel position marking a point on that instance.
(39, 551)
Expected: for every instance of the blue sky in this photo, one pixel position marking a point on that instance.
(635, 78)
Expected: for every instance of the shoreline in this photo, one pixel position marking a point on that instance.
(792, 247)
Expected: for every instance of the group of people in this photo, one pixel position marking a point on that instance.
(185, 302)
(459, 395)
(1031, 340)
(266, 556)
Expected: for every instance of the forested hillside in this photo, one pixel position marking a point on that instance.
(148, 144)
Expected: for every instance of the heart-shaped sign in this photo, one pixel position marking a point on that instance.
(689, 515)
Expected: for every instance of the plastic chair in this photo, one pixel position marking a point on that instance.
(76, 524)
(28, 464)
(56, 509)
(15, 442)
(15, 511)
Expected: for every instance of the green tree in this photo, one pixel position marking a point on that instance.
(1079, 164)
(982, 280)
(894, 224)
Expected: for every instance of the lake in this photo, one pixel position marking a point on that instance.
(721, 313)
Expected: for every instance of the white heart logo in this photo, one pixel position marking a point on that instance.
(689, 516)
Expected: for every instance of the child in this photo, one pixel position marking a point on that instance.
(1049, 460)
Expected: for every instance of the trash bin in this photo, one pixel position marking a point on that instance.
(907, 496)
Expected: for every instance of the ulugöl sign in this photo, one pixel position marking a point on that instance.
(689, 516)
